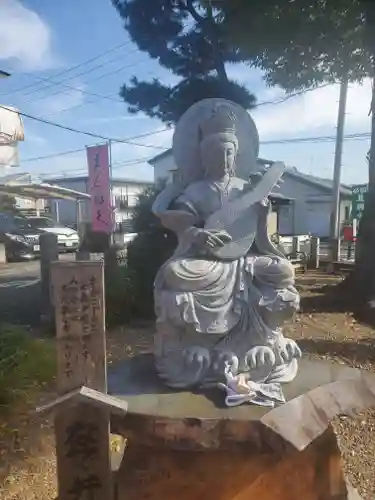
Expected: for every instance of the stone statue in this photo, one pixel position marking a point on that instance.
(223, 296)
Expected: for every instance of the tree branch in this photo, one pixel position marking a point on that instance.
(207, 24)
(189, 7)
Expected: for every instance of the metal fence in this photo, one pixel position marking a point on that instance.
(347, 249)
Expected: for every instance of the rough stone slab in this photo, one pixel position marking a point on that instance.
(186, 420)
(313, 474)
(90, 396)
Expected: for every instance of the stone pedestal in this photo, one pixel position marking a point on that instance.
(184, 445)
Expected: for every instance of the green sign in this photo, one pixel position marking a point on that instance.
(358, 200)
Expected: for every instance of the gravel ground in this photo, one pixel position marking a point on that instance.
(323, 329)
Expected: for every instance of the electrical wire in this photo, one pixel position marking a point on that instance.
(67, 70)
(75, 76)
(291, 95)
(115, 166)
(139, 160)
(78, 131)
(72, 151)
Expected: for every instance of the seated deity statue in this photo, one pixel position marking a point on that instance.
(222, 297)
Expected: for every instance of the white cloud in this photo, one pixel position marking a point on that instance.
(306, 113)
(24, 37)
(314, 111)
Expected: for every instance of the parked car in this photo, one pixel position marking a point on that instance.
(21, 240)
(67, 238)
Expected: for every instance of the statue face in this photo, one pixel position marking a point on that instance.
(218, 157)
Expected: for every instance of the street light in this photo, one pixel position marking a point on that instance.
(4, 74)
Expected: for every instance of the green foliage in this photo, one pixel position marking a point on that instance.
(169, 103)
(129, 287)
(187, 38)
(130, 292)
(299, 43)
(119, 296)
(25, 363)
(147, 252)
(8, 204)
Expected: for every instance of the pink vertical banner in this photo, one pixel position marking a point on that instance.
(99, 188)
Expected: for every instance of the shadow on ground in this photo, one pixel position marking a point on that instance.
(20, 304)
(335, 297)
(361, 350)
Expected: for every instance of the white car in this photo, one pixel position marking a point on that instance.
(67, 238)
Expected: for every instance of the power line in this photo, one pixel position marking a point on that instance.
(76, 89)
(74, 76)
(67, 70)
(114, 98)
(293, 94)
(138, 160)
(100, 77)
(324, 138)
(115, 166)
(360, 136)
(72, 151)
(77, 131)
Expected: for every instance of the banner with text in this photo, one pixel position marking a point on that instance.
(359, 192)
(99, 188)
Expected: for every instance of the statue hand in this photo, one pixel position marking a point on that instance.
(255, 178)
(289, 350)
(211, 239)
(259, 356)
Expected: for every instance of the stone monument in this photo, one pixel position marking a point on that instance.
(220, 302)
(222, 298)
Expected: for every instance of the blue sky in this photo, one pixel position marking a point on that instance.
(42, 38)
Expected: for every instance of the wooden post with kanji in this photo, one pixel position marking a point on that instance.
(82, 431)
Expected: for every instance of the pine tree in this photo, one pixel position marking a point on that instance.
(187, 38)
(300, 44)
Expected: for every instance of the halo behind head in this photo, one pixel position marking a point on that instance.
(207, 118)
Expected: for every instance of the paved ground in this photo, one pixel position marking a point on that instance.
(20, 291)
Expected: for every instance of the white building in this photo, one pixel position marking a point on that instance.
(125, 194)
(309, 210)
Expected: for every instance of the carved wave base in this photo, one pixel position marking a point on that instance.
(187, 359)
(182, 445)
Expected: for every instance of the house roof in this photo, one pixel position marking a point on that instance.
(42, 191)
(160, 156)
(319, 182)
(323, 183)
(115, 180)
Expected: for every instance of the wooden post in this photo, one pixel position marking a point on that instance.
(314, 252)
(296, 247)
(82, 434)
(83, 255)
(3, 255)
(49, 252)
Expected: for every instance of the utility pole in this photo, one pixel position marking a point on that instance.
(335, 211)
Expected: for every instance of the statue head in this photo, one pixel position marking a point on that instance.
(218, 142)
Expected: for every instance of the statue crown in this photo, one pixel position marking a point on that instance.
(222, 120)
